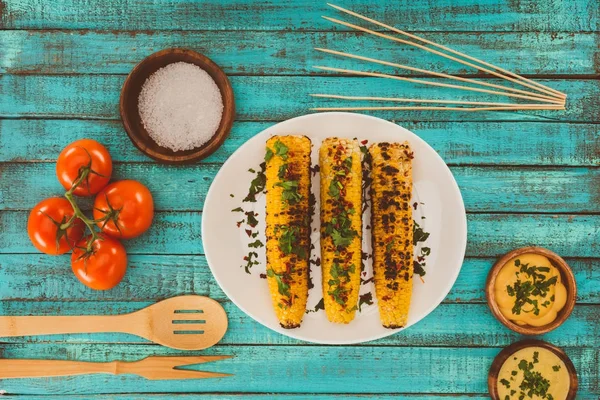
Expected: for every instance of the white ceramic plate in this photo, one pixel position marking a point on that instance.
(225, 244)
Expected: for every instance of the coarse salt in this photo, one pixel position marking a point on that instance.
(180, 106)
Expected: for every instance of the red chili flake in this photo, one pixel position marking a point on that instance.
(263, 276)
(364, 142)
(248, 232)
(415, 204)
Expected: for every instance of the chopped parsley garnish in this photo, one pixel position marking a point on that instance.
(250, 261)
(290, 191)
(556, 368)
(366, 298)
(251, 218)
(334, 190)
(418, 268)
(419, 235)
(288, 241)
(340, 275)
(340, 229)
(256, 244)
(268, 154)
(533, 382)
(282, 287)
(282, 171)
(257, 185)
(339, 293)
(320, 306)
(239, 209)
(505, 383)
(281, 150)
(523, 291)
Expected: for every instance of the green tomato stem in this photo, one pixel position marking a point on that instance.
(77, 213)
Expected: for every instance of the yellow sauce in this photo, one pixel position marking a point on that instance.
(529, 290)
(517, 377)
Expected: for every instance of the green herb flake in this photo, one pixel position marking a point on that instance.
(268, 154)
(282, 287)
(288, 241)
(419, 235)
(290, 191)
(281, 150)
(524, 291)
(256, 244)
(257, 185)
(366, 298)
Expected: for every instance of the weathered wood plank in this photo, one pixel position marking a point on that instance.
(313, 369)
(458, 325)
(445, 15)
(176, 188)
(489, 143)
(275, 53)
(37, 276)
(489, 234)
(302, 396)
(249, 396)
(269, 98)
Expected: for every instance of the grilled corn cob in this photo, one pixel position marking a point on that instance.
(288, 225)
(392, 230)
(341, 226)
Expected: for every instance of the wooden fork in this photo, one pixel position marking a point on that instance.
(153, 368)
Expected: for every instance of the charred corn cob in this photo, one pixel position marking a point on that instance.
(288, 225)
(392, 230)
(341, 226)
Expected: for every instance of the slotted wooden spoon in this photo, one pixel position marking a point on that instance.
(183, 322)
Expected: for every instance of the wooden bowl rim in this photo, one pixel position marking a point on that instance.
(188, 156)
(513, 348)
(567, 277)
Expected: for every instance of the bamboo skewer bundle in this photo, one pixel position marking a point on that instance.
(548, 98)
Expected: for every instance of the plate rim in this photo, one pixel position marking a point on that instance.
(291, 333)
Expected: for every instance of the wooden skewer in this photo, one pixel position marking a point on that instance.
(440, 74)
(400, 78)
(466, 109)
(408, 42)
(409, 100)
(540, 87)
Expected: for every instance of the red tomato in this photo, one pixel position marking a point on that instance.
(43, 226)
(81, 154)
(104, 267)
(124, 209)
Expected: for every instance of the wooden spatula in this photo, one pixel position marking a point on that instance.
(184, 323)
(153, 368)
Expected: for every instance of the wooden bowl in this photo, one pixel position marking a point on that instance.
(513, 348)
(567, 278)
(128, 106)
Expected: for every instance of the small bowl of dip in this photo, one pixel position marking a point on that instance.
(177, 106)
(532, 369)
(531, 290)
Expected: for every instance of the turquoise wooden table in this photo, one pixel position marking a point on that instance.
(526, 178)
